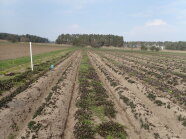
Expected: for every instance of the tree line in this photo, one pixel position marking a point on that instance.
(22, 38)
(181, 45)
(94, 40)
(176, 45)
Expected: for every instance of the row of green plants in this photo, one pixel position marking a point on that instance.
(170, 63)
(144, 123)
(161, 72)
(150, 95)
(156, 81)
(94, 102)
(35, 126)
(23, 81)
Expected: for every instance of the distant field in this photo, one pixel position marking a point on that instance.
(137, 49)
(10, 50)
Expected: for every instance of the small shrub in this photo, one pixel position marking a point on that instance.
(49, 97)
(110, 111)
(11, 136)
(84, 130)
(159, 102)
(151, 96)
(144, 48)
(168, 106)
(184, 123)
(144, 125)
(111, 129)
(39, 110)
(33, 126)
(156, 136)
(131, 81)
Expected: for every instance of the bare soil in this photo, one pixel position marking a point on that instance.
(156, 120)
(46, 110)
(15, 50)
(14, 119)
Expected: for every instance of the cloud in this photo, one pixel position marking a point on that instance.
(155, 30)
(156, 22)
(74, 26)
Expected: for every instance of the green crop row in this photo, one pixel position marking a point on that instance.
(94, 102)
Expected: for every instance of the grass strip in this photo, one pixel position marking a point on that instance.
(26, 79)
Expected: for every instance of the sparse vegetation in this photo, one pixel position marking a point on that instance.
(33, 126)
(159, 102)
(98, 92)
(112, 129)
(93, 102)
(23, 81)
(144, 48)
(156, 136)
(151, 96)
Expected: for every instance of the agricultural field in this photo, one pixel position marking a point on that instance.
(94, 93)
(9, 50)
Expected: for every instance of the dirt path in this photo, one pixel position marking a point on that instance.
(19, 112)
(159, 121)
(70, 122)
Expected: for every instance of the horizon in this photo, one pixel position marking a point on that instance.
(85, 34)
(144, 20)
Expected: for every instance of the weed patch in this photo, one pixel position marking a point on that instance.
(111, 129)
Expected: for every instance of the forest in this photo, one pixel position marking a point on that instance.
(176, 45)
(22, 38)
(94, 40)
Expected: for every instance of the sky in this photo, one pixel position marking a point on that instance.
(136, 20)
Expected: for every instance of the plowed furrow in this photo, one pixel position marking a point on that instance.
(141, 114)
(22, 108)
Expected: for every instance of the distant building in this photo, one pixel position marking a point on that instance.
(162, 47)
(158, 46)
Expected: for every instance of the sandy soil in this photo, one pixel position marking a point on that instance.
(121, 116)
(57, 93)
(21, 110)
(70, 122)
(161, 120)
(54, 116)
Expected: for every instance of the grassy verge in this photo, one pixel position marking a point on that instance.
(94, 104)
(22, 81)
(14, 64)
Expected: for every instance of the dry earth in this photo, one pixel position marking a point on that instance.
(15, 50)
(46, 109)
